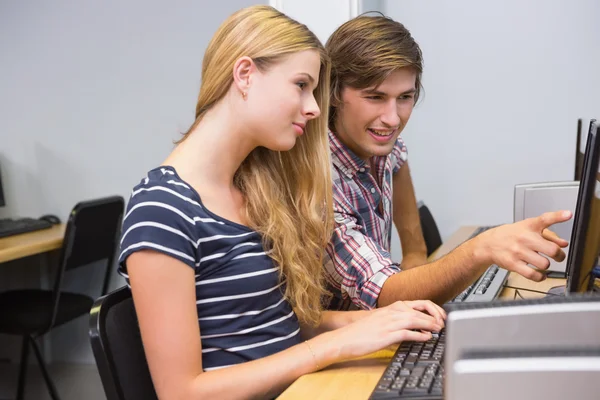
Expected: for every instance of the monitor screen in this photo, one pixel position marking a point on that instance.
(585, 236)
(2, 203)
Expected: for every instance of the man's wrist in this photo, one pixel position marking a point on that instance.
(478, 250)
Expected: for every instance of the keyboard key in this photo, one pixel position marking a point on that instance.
(481, 289)
(410, 360)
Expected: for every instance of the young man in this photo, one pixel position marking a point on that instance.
(375, 82)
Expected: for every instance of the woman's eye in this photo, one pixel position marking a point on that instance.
(301, 85)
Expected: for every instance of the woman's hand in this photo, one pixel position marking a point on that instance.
(400, 321)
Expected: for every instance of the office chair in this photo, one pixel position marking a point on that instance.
(118, 349)
(431, 234)
(92, 235)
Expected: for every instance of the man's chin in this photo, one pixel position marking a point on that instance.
(381, 151)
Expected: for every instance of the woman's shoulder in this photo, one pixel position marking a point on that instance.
(162, 197)
(163, 185)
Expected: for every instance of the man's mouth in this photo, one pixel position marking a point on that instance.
(381, 132)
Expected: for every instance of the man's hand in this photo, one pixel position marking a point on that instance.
(525, 244)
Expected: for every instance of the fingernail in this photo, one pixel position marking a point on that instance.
(566, 213)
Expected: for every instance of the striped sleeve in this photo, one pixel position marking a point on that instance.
(399, 155)
(159, 218)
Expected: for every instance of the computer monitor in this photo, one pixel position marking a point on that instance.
(585, 236)
(578, 153)
(2, 202)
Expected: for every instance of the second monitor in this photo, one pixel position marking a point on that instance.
(585, 236)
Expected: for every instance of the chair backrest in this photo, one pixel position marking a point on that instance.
(118, 349)
(92, 234)
(431, 234)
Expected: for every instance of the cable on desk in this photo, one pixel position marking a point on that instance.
(517, 293)
(530, 290)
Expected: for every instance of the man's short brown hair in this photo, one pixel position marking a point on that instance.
(365, 51)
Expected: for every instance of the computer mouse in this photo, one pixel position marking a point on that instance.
(53, 219)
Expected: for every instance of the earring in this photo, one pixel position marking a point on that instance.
(244, 95)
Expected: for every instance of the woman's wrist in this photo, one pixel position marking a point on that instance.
(325, 349)
(357, 315)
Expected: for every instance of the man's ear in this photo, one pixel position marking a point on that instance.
(242, 72)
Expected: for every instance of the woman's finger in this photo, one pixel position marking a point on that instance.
(427, 306)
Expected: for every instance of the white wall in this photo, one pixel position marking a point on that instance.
(505, 82)
(324, 16)
(321, 17)
(92, 95)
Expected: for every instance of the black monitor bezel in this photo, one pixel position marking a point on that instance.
(582, 214)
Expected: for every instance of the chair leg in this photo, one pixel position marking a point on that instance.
(49, 383)
(23, 368)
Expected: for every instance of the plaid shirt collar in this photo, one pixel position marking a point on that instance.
(344, 158)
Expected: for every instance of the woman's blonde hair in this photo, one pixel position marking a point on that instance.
(288, 194)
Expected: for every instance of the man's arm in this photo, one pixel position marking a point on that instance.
(406, 219)
(515, 247)
(355, 264)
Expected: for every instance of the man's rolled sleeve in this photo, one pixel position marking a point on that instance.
(355, 264)
(399, 155)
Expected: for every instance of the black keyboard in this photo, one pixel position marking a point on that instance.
(10, 227)
(415, 372)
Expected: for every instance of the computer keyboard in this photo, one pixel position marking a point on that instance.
(10, 227)
(416, 371)
(489, 285)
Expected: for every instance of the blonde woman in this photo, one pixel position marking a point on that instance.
(222, 244)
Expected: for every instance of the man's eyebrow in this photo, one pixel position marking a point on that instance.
(380, 93)
(409, 91)
(374, 92)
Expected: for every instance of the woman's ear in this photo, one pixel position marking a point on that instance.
(242, 71)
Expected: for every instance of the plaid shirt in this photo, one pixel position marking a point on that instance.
(358, 259)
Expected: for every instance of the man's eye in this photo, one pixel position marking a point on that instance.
(374, 97)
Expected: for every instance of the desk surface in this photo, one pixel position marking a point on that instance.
(356, 379)
(28, 244)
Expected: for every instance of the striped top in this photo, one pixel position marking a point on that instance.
(358, 260)
(242, 313)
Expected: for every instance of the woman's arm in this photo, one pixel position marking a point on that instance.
(332, 320)
(164, 296)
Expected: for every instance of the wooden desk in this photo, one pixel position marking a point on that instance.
(28, 244)
(356, 379)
